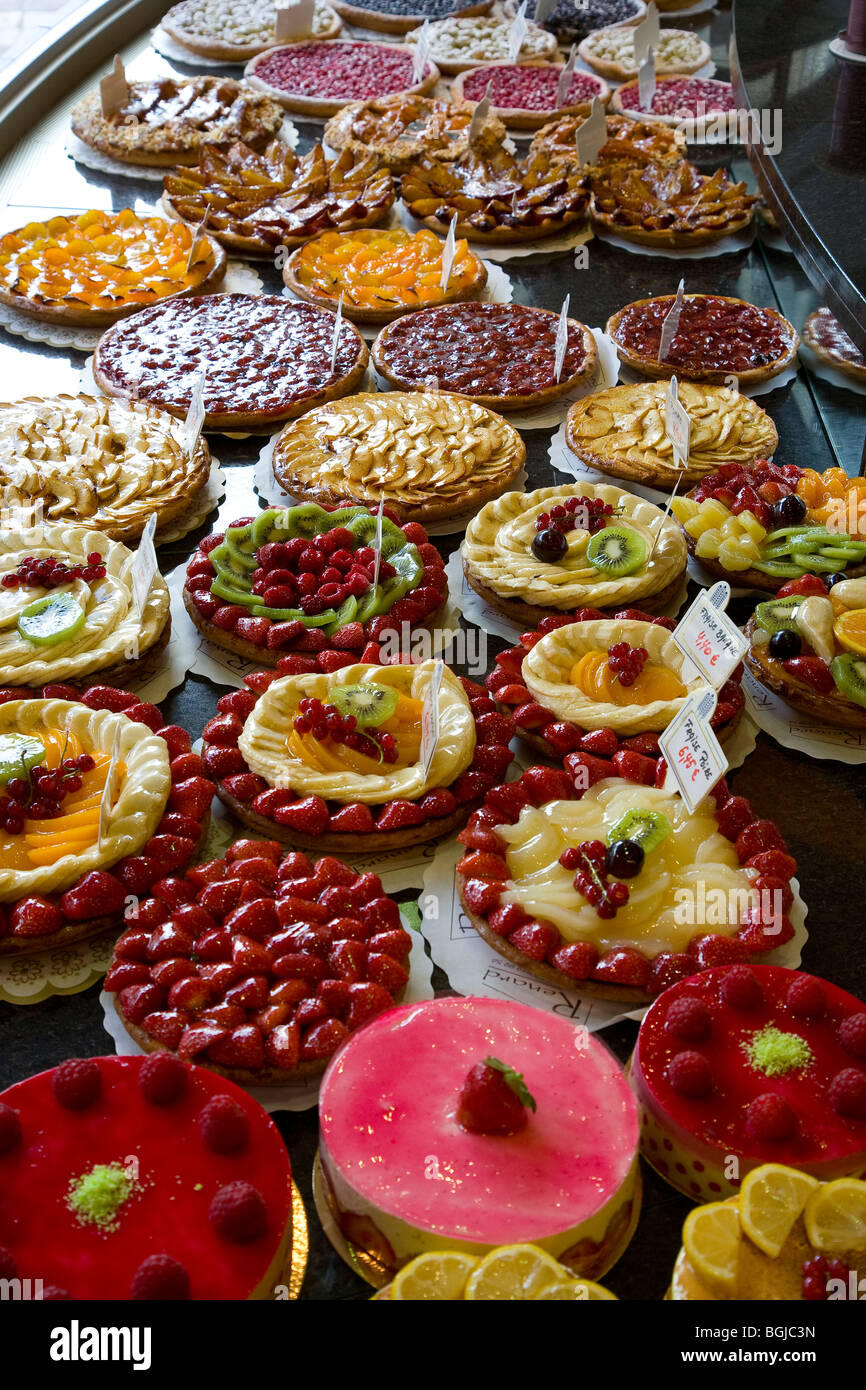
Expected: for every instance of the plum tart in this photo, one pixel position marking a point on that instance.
(236, 31)
(400, 129)
(655, 205)
(316, 79)
(525, 95)
(611, 52)
(827, 338)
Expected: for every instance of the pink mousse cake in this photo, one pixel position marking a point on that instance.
(404, 1175)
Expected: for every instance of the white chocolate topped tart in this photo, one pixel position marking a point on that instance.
(68, 608)
(238, 29)
(595, 877)
(550, 551)
(339, 758)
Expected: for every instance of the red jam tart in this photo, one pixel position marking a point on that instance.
(257, 966)
(141, 1178)
(316, 79)
(586, 877)
(698, 100)
(524, 95)
(754, 1064)
(827, 338)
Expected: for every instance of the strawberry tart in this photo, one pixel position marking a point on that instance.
(464, 1124)
(142, 1179)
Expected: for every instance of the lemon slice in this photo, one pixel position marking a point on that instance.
(771, 1199)
(835, 1216)
(575, 1290)
(440, 1274)
(514, 1272)
(711, 1236)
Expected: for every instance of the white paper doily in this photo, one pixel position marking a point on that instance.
(760, 388)
(84, 154)
(818, 367)
(773, 238)
(200, 506)
(30, 978)
(794, 730)
(177, 53)
(739, 241)
(564, 461)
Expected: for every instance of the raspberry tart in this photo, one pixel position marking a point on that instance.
(265, 359)
(259, 965)
(595, 877)
(754, 1063)
(300, 579)
(533, 1138)
(65, 876)
(313, 79)
(336, 759)
(142, 1179)
(236, 31)
(691, 104)
(398, 130)
(827, 338)
(455, 45)
(399, 16)
(524, 95)
(535, 555)
(672, 208)
(611, 52)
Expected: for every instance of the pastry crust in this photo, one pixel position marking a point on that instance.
(388, 128)
(628, 141)
(610, 52)
(522, 118)
(242, 1076)
(833, 708)
(527, 615)
(830, 354)
(327, 24)
(387, 23)
(304, 105)
(484, 40)
(621, 431)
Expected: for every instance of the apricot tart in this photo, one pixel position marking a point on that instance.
(571, 20)
(827, 338)
(469, 348)
(456, 45)
(98, 267)
(628, 141)
(397, 130)
(141, 1178)
(338, 759)
(314, 79)
(63, 757)
(600, 683)
(399, 16)
(257, 202)
(532, 1137)
(303, 580)
(753, 1063)
(611, 52)
(258, 965)
(68, 608)
(525, 95)
(693, 103)
(531, 555)
(380, 274)
(596, 877)
(659, 206)
(167, 120)
(717, 338)
(621, 431)
(236, 31)
(97, 463)
(265, 359)
(432, 455)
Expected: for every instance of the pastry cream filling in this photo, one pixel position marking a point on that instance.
(567, 673)
(268, 747)
(695, 865)
(498, 550)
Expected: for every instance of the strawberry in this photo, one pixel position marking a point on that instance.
(198, 1038)
(494, 758)
(585, 770)
(602, 742)
(397, 815)
(253, 630)
(812, 671)
(441, 802)
(494, 728)
(323, 1039)
(224, 730)
(54, 691)
(35, 916)
(165, 1027)
(192, 797)
(383, 970)
(283, 1046)
(310, 1011)
(757, 935)
(309, 815)
(538, 940)
(260, 867)
(244, 786)
(173, 891)
(760, 835)
(647, 744)
(546, 784)
(186, 765)
(365, 888)
(635, 767)
(531, 716)
(137, 874)
(191, 994)
(382, 914)
(365, 1000)
(169, 851)
(106, 697)
(804, 586)
(222, 974)
(773, 861)
(480, 837)
(297, 665)
(290, 991)
(132, 945)
(494, 1099)
(508, 800)
(480, 897)
(224, 762)
(470, 786)
(512, 694)
(237, 702)
(714, 949)
(95, 895)
(173, 823)
(228, 616)
(251, 992)
(667, 968)
(243, 1047)
(193, 919)
(623, 966)
(335, 993)
(268, 803)
(353, 819)
(562, 737)
(136, 1001)
(214, 945)
(176, 738)
(165, 972)
(661, 776)
(334, 873)
(481, 865)
(733, 816)
(220, 897)
(779, 888)
(207, 604)
(312, 640)
(577, 959)
(499, 679)
(337, 900)
(349, 638)
(552, 622)
(505, 920)
(126, 972)
(145, 713)
(397, 943)
(211, 542)
(256, 919)
(302, 964)
(168, 940)
(294, 865)
(346, 960)
(290, 910)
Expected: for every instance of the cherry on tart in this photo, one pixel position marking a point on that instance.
(596, 878)
(317, 79)
(755, 1063)
(301, 579)
(533, 1138)
(525, 95)
(61, 880)
(143, 1179)
(260, 964)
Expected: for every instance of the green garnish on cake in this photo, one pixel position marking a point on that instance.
(774, 1053)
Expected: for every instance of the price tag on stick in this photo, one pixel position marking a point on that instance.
(517, 32)
(646, 82)
(449, 251)
(479, 116)
(196, 239)
(646, 34)
(671, 323)
(542, 10)
(430, 717)
(294, 20)
(708, 637)
(561, 345)
(565, 76)
(693, 753)
(195, 415)
(678, 426)
(421, 52)
(377, 542)
(338, 328)
(114, 89)
(144, 564)
(592, 134)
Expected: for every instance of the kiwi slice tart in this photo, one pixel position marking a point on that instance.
(778, 613)
(646, 828)
(616, 550)
(371, 704)
(849, 673)
(241, 547)
(56, 618)
(18, 754)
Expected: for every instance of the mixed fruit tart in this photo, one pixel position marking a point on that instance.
(304, 580)
(486, 1125)
(458, 44)
(237, 29)
(143, 1179)
(398, 16)
(611, 52)
(785, 1236)
(628, 141)
(315, 79)
(656, 205)
(601, 684)
(534, 555)
(808, 645)
(827, 338)
(744, 1065)
(595, 876)
(100, 799)
(398, 130)
(259, 965)
(525, 95)
(678, 101)
(510, 1273)
(337, 758)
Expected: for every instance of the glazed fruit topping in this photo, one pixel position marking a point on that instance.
(40, 792)
(689, 1019)
(626, 661)
(77, 1084)
(583, 513)
(10, 1132)
(338, 71)
(494, 1099)
(770, 1117)
(689, 1073)
(326, 722)
(47, 572)
(528, 88)
(590, 859)
(162, 1278)
(817, 1273)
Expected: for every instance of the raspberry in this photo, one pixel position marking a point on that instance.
(741, 988)
(807, 998)
(10, 1129)
(238, 1213)
(688, 1018)
(160, 1277)
(223, 1125)
(689, 1074)
(852, 1035)
(162, 1078)
(77, 1084)
(770, 1117)
(847, 1093)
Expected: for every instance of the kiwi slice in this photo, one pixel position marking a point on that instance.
(778, 613)
(371, 704)
(241, 548)
(293, 615)
(344, 515)
(363, 528)
(849, 673)
(271, 525)
(231, 566)
(346, 613)
(777, 569)
(18, 754)
(407, 563)
(306, 520)
(230, 591)
(393, 540)
(646, 828)
(616, 550)
(369, 605)
(56, 618)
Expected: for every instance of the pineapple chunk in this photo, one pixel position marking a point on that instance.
(732, 557)
(752, 525)
(684, 508)
(716, 513)
(708, 545)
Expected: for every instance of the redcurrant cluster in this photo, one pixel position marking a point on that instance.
(326, 722)
(46, 572)
(626, 662)
(592, 514)
(591, 880)
(39, 795)
(816, 1274)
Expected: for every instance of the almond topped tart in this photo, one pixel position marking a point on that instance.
(399, 16)
(595, 876)
(381, 273)
(339, 759)
(167, 120)
(98, 267)
(97, 463)
(693, 103)
(524, 95)
(657, 205)
(827, 338)
(397, 130)
(100, 799)
(264, 359)
(142, 1179)
(456, 45)
(314, 79)
(571, 20)
(237, 29)
(605, 685)
(259, 965)
(611, 52)
(621, 431)
(303, 580)
(534, 555)
(628, 141)
(469, 348)
(432, 455)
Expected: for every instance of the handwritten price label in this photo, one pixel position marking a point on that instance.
(430, 717)
(294, 20)
(678, 426)
(693, 753)
(144, 564)
(708, 637)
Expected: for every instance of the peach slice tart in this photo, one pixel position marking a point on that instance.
(562, 688)
(61, 757)
(594, 876)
